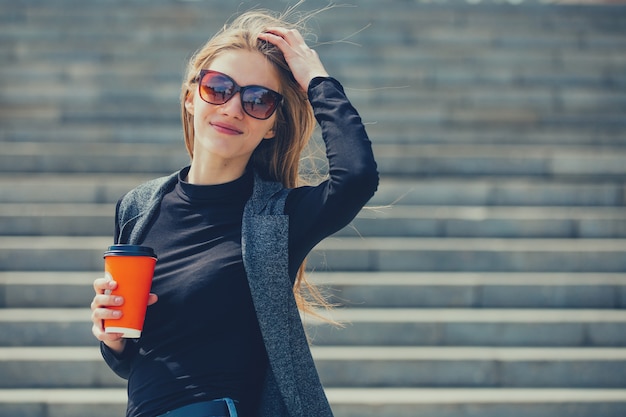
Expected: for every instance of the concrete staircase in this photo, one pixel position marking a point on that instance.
(488, 277)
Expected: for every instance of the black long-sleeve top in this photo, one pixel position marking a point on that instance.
(201, 340)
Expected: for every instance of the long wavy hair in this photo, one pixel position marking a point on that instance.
(277, 159)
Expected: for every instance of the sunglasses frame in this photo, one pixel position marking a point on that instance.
(237, 89)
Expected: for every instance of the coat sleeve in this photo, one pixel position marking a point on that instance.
(120, 364)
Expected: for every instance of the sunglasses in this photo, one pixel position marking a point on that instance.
(256, 101)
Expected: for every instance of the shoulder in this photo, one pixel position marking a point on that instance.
(268, 197)
(148, 188)
(145, 195)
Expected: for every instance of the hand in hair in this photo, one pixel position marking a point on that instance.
(303, 61)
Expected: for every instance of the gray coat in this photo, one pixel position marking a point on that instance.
(292, 387)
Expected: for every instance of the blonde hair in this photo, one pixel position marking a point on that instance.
(277, 159)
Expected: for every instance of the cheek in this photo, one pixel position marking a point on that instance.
(199, 115)
(269, 128)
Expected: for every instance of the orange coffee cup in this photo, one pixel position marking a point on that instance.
(132, 267)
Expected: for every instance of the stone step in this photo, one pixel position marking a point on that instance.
(90, 24)
(48, 253)
(505, 327)
(59, 188)
(484, 402)
(442, 88)
(29, 40)
(568, 8)
(99, 132)
(79, 402)
(458, 254)
(78, 253)
(478, 47)
(441, 161)
(569, 98)
(472, 290)
(462, 191)
(63, 289)
(507, 222)
(350, 402)
(399, 160)
(394, 221)
(477, 18)
(398, 119)
(57, 219)
(30, 327)
(423, 103)
(365, 366)
(92, 158)
(48, 44)
(514, 28)
(471, 367)
(497, 192)
(521, 27)
(495, 83)
(500, 65)
(474, 327)
(404, 133)
(73, 289)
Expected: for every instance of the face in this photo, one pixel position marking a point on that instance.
(225, 134)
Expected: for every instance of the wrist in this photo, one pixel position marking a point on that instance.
(115, 346)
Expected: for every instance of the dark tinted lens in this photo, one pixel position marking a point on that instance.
(259, 102)
(216, 88)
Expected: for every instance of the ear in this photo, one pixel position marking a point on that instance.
(189, 103)
(269, 134)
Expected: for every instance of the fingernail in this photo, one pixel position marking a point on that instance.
(117, 313)
(118, 300)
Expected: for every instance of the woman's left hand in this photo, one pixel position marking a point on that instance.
(303, 61)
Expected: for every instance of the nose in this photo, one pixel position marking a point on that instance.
(233, 107)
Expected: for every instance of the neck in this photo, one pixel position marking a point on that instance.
(213, 174)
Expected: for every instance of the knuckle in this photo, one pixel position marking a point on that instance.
(98, 284)
(96, 302)
(95, 316)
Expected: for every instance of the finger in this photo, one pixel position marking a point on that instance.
(287, 34)
(99, 314)
(97, 317)
(285, 40)
(276, 31)
(98, 331)
(276, 40)
(105, 300)
(100, 334)
(100, 285)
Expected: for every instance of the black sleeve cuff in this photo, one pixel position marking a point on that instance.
(317, 81)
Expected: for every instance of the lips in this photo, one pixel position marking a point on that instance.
(226, 128)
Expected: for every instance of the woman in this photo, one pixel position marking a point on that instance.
(223, 334)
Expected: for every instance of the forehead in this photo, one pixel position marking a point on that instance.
(246, 68)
